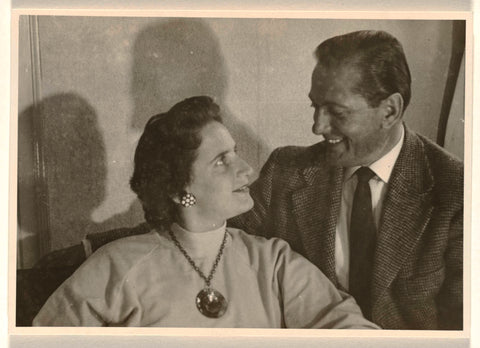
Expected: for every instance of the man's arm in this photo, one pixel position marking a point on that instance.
(309, 299)
(450, 298)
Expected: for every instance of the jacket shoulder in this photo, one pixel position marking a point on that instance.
(297, 156)
(447, 172)
(441, 161)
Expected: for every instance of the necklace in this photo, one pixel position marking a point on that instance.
(210, 302)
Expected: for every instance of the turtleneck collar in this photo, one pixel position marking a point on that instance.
(199, 243)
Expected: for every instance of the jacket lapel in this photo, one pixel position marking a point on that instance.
(315, 209)
(407, 211)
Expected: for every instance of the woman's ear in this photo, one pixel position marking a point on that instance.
(392, 108)
(175, 198)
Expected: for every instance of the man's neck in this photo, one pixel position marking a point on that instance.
(396, 136)
(392, 140)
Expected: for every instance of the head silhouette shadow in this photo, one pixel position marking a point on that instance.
(65, 127)
(173, 59)
(179, 58)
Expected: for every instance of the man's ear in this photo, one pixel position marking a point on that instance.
(392, 108)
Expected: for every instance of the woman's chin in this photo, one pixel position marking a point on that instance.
(246, 206)
(242, 207)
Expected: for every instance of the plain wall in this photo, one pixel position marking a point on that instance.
(102, 78)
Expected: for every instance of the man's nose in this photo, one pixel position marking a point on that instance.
(321, 121)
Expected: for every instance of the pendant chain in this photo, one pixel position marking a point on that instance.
(192, 263)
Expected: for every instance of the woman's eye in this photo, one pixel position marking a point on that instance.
(225, 159)
(221, 161)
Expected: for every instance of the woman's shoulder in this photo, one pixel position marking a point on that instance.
(245, 237)
(257, 248)
(126, 252)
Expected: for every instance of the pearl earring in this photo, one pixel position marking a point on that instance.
(188, 200)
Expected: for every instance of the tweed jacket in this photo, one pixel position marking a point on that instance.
(417, 280)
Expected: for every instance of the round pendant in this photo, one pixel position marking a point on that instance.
(211, 303)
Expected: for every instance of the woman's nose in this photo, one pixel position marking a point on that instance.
(243, 167)
(321, 121)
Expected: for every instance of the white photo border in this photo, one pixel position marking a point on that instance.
(148, 336)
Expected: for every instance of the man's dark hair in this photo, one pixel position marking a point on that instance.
(165, 154)
(377, 56)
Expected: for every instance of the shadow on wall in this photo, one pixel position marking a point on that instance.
(73, 183)
(178, 59)
(173, 60)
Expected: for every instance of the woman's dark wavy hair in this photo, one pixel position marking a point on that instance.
(165, 154)
(379, 58)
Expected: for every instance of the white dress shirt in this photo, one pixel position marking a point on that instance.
(378, 186)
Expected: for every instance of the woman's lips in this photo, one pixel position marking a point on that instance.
(242, 189)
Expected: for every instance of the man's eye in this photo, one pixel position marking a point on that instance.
(335, 112)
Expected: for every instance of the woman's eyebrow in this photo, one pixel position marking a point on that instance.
(221, 154)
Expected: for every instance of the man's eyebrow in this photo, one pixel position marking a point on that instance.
(327, 102)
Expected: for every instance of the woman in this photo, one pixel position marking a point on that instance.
(190, 270)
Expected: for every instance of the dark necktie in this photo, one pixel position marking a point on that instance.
(362, 241)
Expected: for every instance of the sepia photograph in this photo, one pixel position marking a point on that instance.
(255, 173)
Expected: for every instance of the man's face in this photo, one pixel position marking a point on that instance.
(352, 129)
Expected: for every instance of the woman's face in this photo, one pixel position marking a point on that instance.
(220, 179)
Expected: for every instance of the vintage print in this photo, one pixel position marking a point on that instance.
(182, 172)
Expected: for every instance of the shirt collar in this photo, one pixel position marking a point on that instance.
(383, 166)
(199, 241)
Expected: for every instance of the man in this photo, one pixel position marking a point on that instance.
(390, 234)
